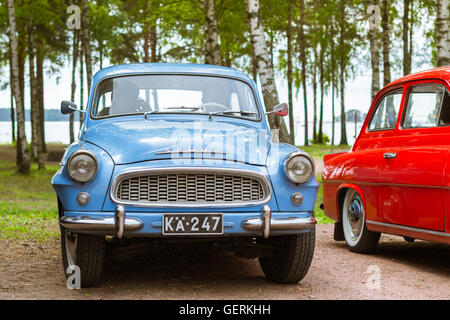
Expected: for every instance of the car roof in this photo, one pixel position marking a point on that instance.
(442, 73)
(183, 68)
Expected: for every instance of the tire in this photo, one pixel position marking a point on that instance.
(359, 239)
(293, 258)
(85, 251)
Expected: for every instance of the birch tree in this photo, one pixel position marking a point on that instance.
(385, 23)
(302, 42)
(212, 38)
(373, 11)
(73, 86)
(25, 161)
(264, 66)
(86, 41)
(442, 33)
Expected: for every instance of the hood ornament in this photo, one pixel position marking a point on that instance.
(190, 151)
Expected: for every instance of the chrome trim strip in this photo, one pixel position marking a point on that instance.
(100, 224)
(412, 229)
(385, 184)
(255, 224)
(202, 170)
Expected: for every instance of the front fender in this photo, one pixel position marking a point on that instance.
(282, 187)
(67, 189)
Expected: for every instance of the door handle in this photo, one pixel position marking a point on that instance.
(390, 155)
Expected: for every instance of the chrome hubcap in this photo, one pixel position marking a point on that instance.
(355, 217)
(71, 247)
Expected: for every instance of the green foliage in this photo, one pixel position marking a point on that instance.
(28, 207)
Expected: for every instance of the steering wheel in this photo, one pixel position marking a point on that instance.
(213, 107)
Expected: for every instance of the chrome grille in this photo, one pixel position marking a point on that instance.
(190, 188)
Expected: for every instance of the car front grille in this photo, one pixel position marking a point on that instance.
(195, 188)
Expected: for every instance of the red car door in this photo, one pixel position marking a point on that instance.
(412, 172)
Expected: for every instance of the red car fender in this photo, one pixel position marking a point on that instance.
(338, 195)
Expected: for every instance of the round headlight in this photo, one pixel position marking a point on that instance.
(82, 166)
(299, 167)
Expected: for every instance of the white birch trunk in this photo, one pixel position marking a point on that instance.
(212, 38)
(24, 165)
(264, 66)
(442, 33)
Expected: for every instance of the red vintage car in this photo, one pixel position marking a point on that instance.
(396, 178)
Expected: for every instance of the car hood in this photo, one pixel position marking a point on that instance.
(129, 141)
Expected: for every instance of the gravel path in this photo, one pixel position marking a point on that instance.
(405, 271)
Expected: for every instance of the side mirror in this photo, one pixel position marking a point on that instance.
(281, 110)
(68, 107)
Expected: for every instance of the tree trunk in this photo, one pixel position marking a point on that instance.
(81, 85)
(86, 41)
(11, 87)
(322, 84)
(34, 106)
(42, 146)
(342, 88)
(333, 79)
(315, 95)
(302, 39)
(264, 66)
(374, 55)
(212, 38)
(406, 44)
(289, 73)
(24, 165)
(342, 74)
(154, 43)
(74, 84)
(386, 42)
(442, 33)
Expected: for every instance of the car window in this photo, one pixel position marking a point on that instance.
(174, 94)
(424, 106)
(385, 116)
(445, 110)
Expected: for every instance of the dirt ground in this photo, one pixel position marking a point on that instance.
(402, 270)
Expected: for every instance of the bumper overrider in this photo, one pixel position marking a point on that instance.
(118, 224)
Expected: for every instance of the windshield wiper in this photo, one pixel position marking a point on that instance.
(183, 108)
(243, 113)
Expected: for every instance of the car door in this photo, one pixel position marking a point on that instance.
(363, 166)
(412, 171)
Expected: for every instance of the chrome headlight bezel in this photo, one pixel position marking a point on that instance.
(292, 156)
(76, 154)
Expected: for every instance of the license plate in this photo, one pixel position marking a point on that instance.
(192, 224)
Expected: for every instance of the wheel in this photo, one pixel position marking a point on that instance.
(292, 258)
(358, 237)
(85, 251)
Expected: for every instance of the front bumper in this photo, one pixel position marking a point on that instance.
(140, 224)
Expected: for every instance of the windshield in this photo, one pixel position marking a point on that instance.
(148, 94)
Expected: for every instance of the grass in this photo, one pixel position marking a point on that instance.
(28, 208)
(319, 150)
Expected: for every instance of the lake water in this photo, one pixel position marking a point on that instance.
(58, 131)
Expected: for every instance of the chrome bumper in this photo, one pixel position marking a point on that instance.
(266, 223)
(118, 224)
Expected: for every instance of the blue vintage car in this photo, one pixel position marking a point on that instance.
(183, 151)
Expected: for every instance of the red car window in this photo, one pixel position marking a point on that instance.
(424, 105)
(385, 116)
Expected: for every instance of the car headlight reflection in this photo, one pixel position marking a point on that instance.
(82, 166)
(299, 167)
